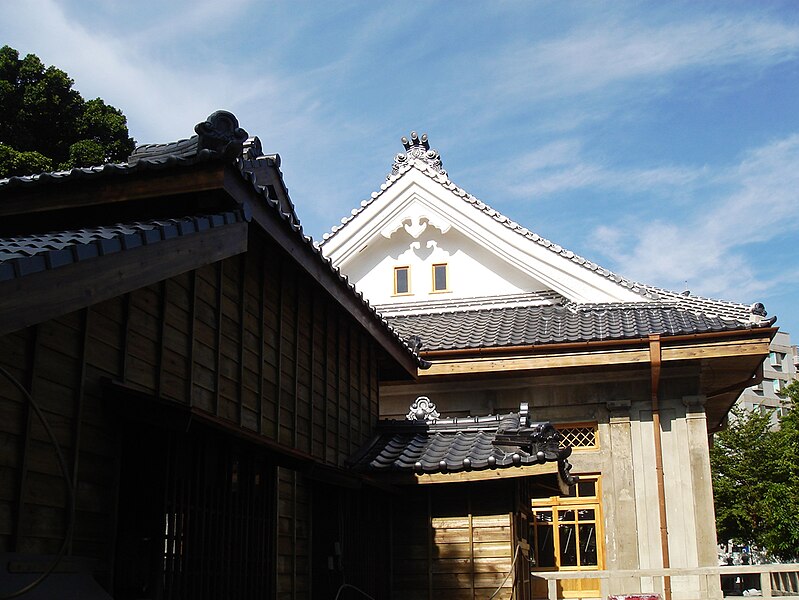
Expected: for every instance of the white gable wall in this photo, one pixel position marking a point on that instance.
(471, 273)
(425, 223)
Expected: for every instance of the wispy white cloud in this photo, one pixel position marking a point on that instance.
(562, 166)
(590, 58)
(709, 248)
(161, 102)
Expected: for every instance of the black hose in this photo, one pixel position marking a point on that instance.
(70, 492)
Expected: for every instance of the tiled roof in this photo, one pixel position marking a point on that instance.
(36, 250)
(106, 170)
(544, 298)
(21, 256)
(461, 444)
(534, 325)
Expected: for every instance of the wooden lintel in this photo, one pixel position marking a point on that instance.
(48, 294)
(111, 188)
(692, 350)
(483, 475)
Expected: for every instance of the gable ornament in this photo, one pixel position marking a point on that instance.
(422, 409)
(417, 148)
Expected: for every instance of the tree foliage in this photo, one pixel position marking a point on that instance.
(46, 125)
(756, 479)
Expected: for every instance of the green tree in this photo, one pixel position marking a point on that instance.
(46, 125)
(756, 479)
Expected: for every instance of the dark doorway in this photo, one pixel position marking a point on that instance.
(196, 517)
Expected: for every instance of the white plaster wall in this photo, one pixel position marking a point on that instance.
(472, 271)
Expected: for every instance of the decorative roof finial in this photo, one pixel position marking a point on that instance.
(422, 409)
(417, 148)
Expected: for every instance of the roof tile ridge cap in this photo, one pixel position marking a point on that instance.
(678, 296)
(446, 182)
(442, 179)
(390, 180)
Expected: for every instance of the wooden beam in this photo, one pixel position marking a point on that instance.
(48, 294)
(693, 350)
(482, 475)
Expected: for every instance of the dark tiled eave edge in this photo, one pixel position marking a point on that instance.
(543, 325)
(22, 256)
(106, 170)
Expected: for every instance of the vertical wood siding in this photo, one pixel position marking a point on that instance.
(454, 541)
(249, 340)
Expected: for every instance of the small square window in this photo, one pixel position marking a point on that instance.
(440, 278)
(402, 280)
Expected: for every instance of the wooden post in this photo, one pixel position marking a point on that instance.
(552, 589)
(77, 417)
(220, 281)
(190, 343)
(655, 363)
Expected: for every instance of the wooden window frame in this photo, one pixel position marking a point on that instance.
(446, 276)
(407, 269)
(573, 503)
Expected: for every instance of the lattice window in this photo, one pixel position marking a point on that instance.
(581, 436)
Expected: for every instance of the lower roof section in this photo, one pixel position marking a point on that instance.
(425, 449)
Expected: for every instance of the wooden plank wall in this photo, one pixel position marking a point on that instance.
(461, 550)
(249, 340)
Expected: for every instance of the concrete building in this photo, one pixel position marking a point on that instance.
(779, 369)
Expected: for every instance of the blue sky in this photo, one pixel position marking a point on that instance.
(660, 140)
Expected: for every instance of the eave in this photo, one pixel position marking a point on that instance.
(752, 343)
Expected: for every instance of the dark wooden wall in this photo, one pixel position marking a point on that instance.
(250, 342)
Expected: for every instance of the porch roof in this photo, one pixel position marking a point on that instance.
(462, 445)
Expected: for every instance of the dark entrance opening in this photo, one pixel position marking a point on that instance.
(196, 517)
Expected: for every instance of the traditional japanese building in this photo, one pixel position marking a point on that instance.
(183, 378)
(520, 330)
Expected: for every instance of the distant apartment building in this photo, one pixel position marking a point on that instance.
(779, 369)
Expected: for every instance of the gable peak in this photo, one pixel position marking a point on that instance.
(417, 148)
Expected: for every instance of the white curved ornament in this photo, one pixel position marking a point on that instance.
(415, 221)
(422, 409)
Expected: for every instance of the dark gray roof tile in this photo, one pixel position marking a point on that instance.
(452, 445)
(533, 325)
(25, 255)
